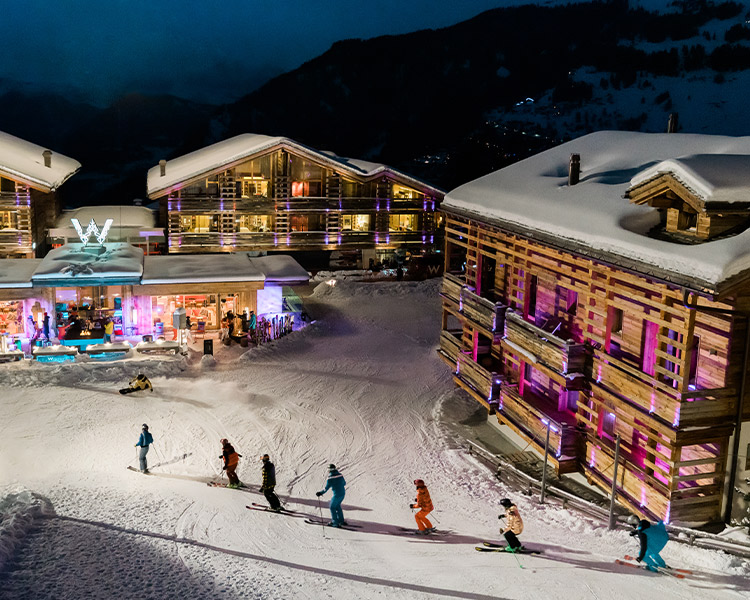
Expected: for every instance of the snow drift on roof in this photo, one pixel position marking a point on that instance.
(24, 161)
(280, 268)
(711, 177)
(533, 195)
(71, 261)
(199, 268)
(17, 272)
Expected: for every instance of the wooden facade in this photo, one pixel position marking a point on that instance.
(25, 215)
(286, 197)
(594, 352)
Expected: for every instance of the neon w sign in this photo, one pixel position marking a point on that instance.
(92, 229)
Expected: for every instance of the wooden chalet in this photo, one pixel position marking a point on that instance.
(29, 178)
(601, 290)
(261, 193)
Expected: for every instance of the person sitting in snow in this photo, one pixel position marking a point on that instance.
(141, 382)
(269, 483)
(653, 538)
(337, 483)
(231, 461)
(513, 525)
(144, 441)
(424, 504)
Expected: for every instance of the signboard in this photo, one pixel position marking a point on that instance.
(92, 229)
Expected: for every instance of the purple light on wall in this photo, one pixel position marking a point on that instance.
(669, 512)
(179, 206)
(169, 205)
(643, 496)
(433, 205)
(432, 239)
(592, 458)
(377, 238)
(388, 205)
(652, 407)
(326, 242)
(424, 206)
(388, 238)
(221, 205)
(275, 239)
(547, 424)
(339, 238)
(676, 421)
(377, 205)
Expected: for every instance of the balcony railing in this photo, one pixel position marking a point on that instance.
(451, 287)
(213, 241)
(532, 415)
(561, 355)
(484, 382)
(450, 346)
(696, 407)
(485, 313)
(203, 204)
(15, 240)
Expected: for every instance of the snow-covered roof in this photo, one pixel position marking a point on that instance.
(17, 272)
(129, 222)
(714, 178)
(200, 163)
(281, 268)
(71, 264)
(122, 216)
(23, 161)
(199, 268)
(593, 218)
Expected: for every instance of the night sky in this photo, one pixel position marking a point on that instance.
(203, 50)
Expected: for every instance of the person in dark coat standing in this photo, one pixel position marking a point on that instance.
(337, 483)
(269, 483)
(144, 441)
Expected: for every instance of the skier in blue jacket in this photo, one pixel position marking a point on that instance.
(144, 442)
(653, 538)
(337, 483)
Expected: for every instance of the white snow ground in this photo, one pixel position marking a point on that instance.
(361, 387)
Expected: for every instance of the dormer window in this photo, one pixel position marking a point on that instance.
(699, 197)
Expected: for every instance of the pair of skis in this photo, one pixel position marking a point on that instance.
(490, 547)
(678, 573)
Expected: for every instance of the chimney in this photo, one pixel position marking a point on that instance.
(47, 154)
(574, 169)
(672, 124)
(162, 168)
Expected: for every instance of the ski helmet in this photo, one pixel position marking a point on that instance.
(418, 482)
(633, 521)
(224, 441)
(331, 467)
(506, 502)
(144, 426)
(265, 457)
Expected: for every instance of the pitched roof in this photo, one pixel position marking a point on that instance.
(592, 218)
(23, 161)
(217, 156)
(714, 178)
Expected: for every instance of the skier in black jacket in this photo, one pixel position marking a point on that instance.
(269, 483)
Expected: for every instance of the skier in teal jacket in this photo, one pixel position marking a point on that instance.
(653, 538)
(337, 483)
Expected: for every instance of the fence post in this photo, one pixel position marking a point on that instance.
(614, 484)
(544, 468)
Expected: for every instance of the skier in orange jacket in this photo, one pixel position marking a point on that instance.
(424, 504)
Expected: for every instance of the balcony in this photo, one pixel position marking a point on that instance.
(484, 314)
(695, 407)
(15, 240)
(450, 347)
(537, 345)
(530, 415)
(481, 383)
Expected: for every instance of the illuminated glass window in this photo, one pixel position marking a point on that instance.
(254, 223)
(355, 222)
(404, 193)
(8, 219)
(403, 222)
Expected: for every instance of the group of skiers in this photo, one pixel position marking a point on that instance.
(652, 536)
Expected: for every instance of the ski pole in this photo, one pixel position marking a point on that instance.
(320, 508)
(513, 552)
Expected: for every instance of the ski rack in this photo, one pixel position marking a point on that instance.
(507, 472)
